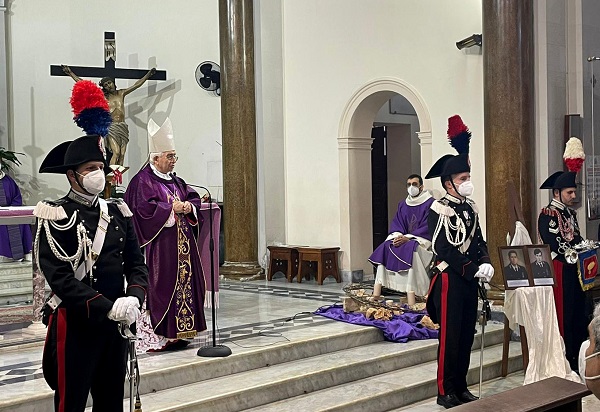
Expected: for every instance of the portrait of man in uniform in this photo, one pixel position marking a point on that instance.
(541, 270)
(515, 273)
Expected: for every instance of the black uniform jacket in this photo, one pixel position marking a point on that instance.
(119, 260)
(554, 222)
(464, 264)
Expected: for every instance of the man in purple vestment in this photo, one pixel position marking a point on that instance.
(166, 217)
(15, 240)
(403, 258)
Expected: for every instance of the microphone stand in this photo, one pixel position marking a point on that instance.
(214, 351)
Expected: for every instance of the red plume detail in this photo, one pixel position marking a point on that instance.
(456, 126)
(574, 165)
(87, 95)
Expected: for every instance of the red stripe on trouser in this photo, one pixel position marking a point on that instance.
(442, 354)
(61, 336)
(558, 295)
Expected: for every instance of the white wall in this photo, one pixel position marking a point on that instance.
(270, 133)
(175, 38)
(351, 42)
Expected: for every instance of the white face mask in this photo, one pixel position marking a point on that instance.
(582, 360)
(465, 189)
(94, 181)
(413, 190)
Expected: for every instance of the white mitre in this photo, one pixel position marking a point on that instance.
(160, 139)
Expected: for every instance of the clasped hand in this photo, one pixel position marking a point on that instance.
(485, 272)
(182, 207)
(399, 240)
(125, 310)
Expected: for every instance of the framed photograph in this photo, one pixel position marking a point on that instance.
(515, 266)
(540, 263)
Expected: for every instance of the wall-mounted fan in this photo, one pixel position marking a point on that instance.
(208, 76)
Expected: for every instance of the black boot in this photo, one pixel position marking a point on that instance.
(448, 401)
(467, 396)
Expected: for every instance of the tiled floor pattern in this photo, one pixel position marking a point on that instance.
(238, 320)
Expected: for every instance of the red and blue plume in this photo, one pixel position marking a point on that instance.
(574, 155)
(90, 108)
(459, 135)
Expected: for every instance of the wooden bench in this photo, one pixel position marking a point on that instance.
(552, 394)
(283, 259)
(326, 259)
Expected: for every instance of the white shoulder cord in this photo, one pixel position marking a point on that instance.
(82, 240)
(461, 231)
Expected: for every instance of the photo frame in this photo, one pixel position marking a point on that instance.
(540, 263)
(515, 267)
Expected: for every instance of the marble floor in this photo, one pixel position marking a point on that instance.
(251, 315)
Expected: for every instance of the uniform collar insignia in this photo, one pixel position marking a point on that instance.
(557, 204)
(82, 199)
(452, 198)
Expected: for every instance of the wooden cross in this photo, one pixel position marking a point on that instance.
(109, 70)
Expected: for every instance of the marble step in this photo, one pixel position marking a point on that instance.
(7, 268)
(15, 283)
(259, 387)
(14, 295)
(166, 370)
(398, 388)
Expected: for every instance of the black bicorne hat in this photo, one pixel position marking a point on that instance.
(449, 165)
(560, 180)
(71, 154)
(459, 138)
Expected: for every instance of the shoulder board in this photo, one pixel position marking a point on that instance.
(550, 211)
(50, 210)
(442, 208)
(121, 205)
(473, 205)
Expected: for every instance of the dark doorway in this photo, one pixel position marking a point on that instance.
(379, 184)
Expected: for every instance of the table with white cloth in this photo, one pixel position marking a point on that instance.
(532, 308)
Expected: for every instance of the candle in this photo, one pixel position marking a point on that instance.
(376, 290)
(411, 297)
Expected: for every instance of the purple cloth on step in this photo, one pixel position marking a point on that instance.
(401, 328)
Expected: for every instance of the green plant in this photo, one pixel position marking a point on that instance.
(8, 159)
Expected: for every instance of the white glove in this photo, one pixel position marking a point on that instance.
(132, 315)
(124, 308)
(486, 272)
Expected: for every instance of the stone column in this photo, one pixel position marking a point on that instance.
(508, 60)
(238, 123)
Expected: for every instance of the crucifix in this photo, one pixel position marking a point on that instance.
(109, 70)
(118, 133)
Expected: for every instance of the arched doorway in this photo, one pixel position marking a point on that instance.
(354, 150)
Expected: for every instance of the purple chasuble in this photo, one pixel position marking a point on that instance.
(15, 240)
(409, 220)
(176, 284)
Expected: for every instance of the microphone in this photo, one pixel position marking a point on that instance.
(592, 58)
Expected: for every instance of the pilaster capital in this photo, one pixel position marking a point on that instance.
(355, 143)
